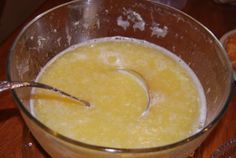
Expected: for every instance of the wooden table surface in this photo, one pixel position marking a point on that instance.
(14, 139)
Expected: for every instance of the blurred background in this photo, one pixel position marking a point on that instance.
(15, 12)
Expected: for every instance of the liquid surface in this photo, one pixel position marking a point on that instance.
(89, 71)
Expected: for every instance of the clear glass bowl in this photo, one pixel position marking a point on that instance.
(78, 21)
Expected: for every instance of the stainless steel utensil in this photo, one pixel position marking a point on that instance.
(7, 85)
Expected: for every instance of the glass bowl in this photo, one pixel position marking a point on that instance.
(77, 21)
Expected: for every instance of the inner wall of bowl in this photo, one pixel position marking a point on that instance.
(79, 21)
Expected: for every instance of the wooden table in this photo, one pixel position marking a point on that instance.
(14, 139)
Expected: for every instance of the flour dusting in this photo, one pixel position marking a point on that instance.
(123, 23)
(158, 31)
(131, 18)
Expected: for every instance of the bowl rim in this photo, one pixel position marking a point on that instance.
(114, 149)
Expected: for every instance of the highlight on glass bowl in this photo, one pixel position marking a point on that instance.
(157, 81)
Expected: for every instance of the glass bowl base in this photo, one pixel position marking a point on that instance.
(31, 147)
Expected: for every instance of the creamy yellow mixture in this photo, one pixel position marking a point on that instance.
(90, 72)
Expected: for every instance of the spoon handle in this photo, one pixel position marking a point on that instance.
(7, 85)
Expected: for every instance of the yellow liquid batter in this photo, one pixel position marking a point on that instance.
(89, 71)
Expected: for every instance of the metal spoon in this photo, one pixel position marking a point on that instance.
(7, 85)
